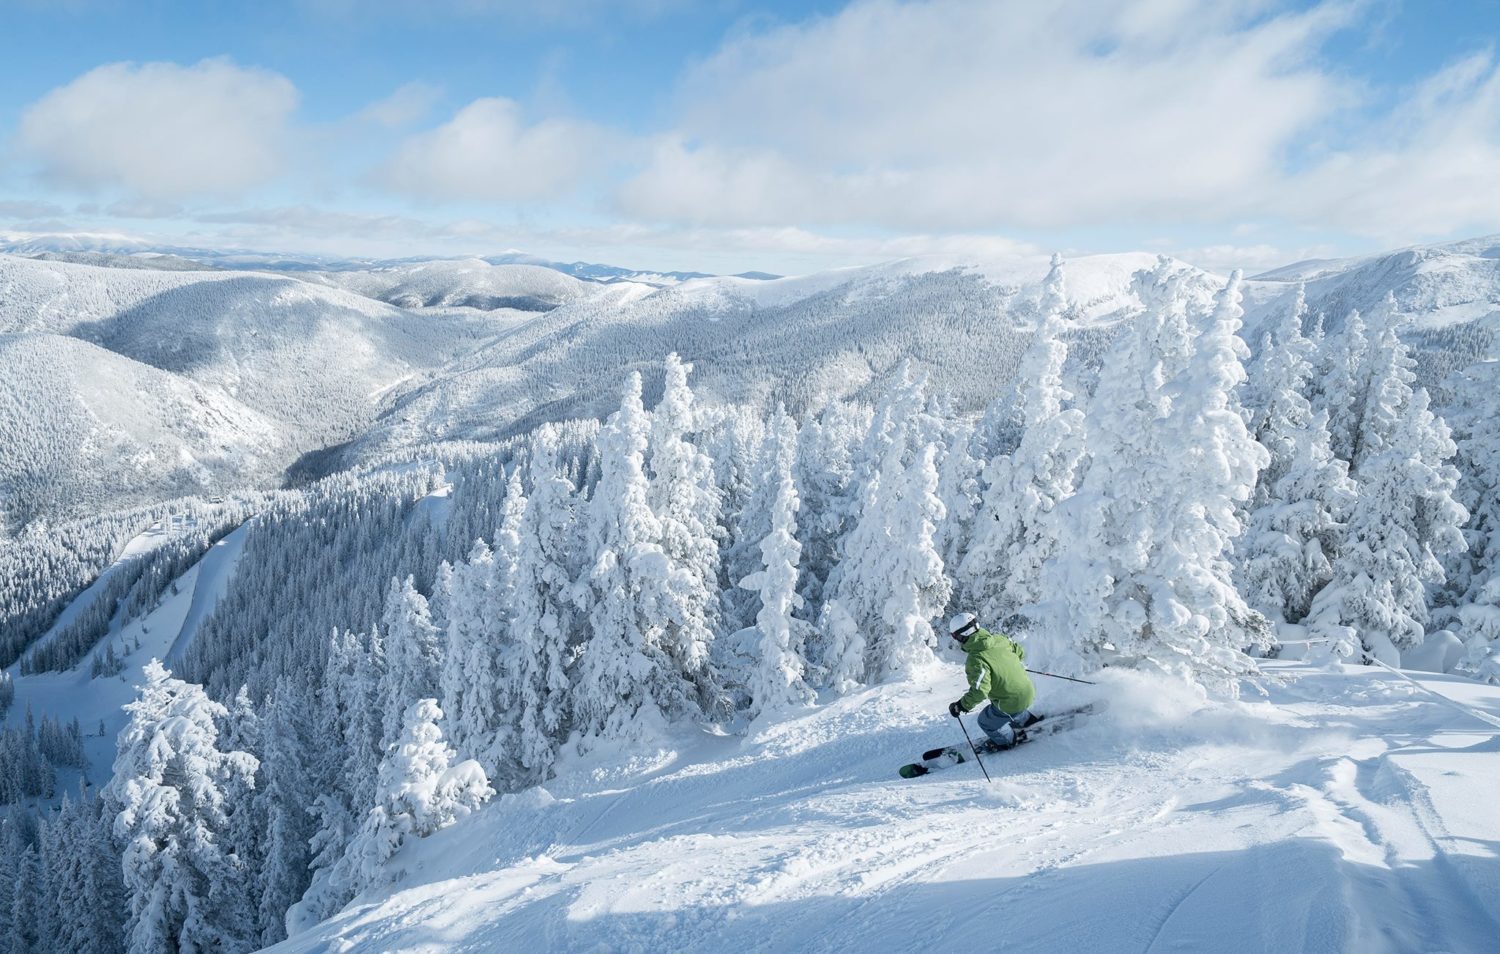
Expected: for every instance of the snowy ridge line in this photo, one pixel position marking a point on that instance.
(1481, 716)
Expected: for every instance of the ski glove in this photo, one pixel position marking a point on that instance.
(956, 709)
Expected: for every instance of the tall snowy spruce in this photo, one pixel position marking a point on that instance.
(1405, 520)
(1018, 527)
(290, 785)
(168, 793)
(421, 790)
(352, 715)
(890, 584)
(1343, 382)
(685, 500)
(626, 678)
(478, 603)
(1476, 585)
(1143, 575)
(543, 616)
(413, 654)
(775, 681)
(1304, 494)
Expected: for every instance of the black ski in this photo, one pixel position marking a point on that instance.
(936, 759)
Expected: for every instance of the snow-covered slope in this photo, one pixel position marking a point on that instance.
(1438, 285)
(1344, 811)
(85, 430)
(250, 370)
(464, 283)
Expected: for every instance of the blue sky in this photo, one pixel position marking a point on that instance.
(729, 135)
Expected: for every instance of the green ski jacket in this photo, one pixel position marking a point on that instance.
(995, 673)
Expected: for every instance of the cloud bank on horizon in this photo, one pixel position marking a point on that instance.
(1248, 134)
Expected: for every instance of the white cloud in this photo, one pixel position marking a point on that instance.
(960, 114)
(28, 209)
(486, 152)
(162, 131)
(1431, 168)
(409, 104)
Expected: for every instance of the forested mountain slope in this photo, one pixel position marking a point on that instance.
(84, 430)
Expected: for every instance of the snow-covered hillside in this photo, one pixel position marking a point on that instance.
(243, 373)
(1439, 286)
(464, 283)
(84, 430)
(1340, 812)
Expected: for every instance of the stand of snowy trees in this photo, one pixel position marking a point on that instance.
(396, 648)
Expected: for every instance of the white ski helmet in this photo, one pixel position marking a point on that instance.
(962, 626)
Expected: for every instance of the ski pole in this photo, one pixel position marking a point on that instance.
(1054, 675)
(975, 751)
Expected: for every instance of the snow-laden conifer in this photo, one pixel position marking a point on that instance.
(469, 636)
(1343, 382)
(352, 715)
(686, 503)
(1018, 527)
(1142, 576)
(421, 790)
(1404, 522)
(1477, 582)
(287, 794)
(413, 654)
(168, 792)
(776, 680)
(1304, 493)
(891, 581)
(626, 678)
(543, 616)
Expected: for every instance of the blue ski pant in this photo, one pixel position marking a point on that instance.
(1001, 726)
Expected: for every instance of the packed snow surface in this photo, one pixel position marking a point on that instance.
(1342, 810)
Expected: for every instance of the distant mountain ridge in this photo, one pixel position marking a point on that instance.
(354, 364)
(127, 251)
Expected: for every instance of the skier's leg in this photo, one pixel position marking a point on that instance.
(997, 725)
(1020, 721)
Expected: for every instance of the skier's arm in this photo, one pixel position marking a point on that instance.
(979, 684)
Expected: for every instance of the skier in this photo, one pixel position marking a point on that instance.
(995, 674)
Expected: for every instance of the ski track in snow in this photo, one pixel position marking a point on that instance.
(1344, 812)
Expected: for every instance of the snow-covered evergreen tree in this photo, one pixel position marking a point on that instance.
(686, 503)
(287, 794)
(1142, 575)
(1476, 585)
(1404, 522)
(352, 719)
(543, 615)
(168, 792)
(626, 679)
(1343, 381)
(1018, 528)
(471, 632)
(1305, 492)
(413, 654)
(420, 791)
(776, 681)
(891, 582)
(826, 448)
